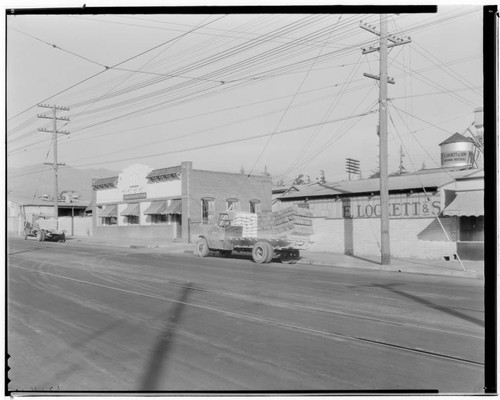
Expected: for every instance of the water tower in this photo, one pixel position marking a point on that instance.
(457, 151)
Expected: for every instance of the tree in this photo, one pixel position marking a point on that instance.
(322, 178)
(299, 180)
(265, 172)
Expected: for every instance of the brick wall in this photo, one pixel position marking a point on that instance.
(77, 226)
(415, 238)
(197, 184)
(155, 233)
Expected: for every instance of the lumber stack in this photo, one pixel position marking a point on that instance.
(291, 222)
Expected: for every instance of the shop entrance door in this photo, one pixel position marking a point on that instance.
(470, 245)
(177, 219)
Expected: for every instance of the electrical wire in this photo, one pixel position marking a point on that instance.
(222, 143)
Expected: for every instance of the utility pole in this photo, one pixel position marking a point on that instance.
(383, 151)
(401, 156)
(55, 132)
(352, 167)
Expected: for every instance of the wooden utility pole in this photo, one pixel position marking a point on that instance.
(55, 132)
(385, 242)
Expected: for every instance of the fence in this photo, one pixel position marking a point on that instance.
(72, 226)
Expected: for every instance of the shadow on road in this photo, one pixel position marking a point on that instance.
(157, 363)
(25, 251)
(364, 259)
(430, 304)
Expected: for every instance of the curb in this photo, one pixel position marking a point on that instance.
(308, 261)
(458, 274)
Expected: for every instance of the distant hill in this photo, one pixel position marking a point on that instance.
(35, 181)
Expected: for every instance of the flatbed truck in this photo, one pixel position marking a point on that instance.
(224, 238)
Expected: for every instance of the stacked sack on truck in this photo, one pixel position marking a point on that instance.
(293, 222)
(248, 221)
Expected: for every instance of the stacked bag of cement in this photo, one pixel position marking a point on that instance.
(293, 222)
(248, 221)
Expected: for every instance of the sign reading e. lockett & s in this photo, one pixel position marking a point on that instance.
(420, 206)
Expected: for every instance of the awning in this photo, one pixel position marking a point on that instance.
(466, 204)
(175, 207)
(109, 211)
(132, 210)
(90, 207)
(156, 207)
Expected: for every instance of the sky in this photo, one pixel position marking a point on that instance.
(281, 93)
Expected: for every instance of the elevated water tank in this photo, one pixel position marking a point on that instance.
(457, 151)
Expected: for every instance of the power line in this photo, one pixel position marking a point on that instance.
(106, 69)
(222, 143)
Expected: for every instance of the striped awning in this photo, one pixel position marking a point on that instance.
(466, 204)
(175, 207)
(157, 207)
(132, 210)
(109, 211)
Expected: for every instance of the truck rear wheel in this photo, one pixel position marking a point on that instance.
(202, 247)
(270, 253)
(260, 252)
(290, 257)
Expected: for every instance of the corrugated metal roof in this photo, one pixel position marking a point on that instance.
(164, 172)
(24, 201)
(415, 181)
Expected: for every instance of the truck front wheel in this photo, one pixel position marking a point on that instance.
(202, 248)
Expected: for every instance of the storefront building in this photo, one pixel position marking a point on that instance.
(433, 214)
(171, 203)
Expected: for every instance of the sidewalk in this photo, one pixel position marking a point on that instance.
(473, 269)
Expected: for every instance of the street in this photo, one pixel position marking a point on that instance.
(96, 318)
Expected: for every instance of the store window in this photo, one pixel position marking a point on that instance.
(108, 215)
(472, 229)
(207, 211)
(232, 204)
(158, 218)
(255, 206)
(107, 221)
(132, 219)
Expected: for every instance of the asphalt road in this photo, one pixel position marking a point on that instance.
(95, 318)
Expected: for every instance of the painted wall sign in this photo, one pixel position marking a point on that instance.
(134, 196)
(462, 156)
(400, 206)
